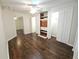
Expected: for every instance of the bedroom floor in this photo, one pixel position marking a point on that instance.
(31, 46)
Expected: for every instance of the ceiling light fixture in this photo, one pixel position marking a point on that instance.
(33, 11)
(15, 18)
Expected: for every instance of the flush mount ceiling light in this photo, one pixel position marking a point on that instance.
(15, 18)
(33, 11)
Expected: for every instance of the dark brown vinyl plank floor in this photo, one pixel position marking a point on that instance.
(31, 46)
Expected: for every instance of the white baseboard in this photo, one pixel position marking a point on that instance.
(53, 35)
(66, 43)
(42, 36)
(7, 46)
(12, 37)
(69, 44)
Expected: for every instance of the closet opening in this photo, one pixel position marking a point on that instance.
(43, 23)
(19, 25)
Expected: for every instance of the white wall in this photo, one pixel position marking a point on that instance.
(27, 23)
(37, 16)
(61, 9)
(10, 25)
(54, 23)
(3, 42)
(64, 24)
(67, 22)
(33, 24)
(9, 28)
(74, 24)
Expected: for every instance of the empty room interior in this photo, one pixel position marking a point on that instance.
(38, 29)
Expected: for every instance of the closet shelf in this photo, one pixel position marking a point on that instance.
(43, 17)
(43, 31)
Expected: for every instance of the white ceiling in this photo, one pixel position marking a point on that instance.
(22, 5)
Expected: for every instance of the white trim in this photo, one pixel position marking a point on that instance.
(53, 35)
(42, 36)
(69, 44)
(8, 51)
(7, 46)
(65, 43)
(12, 37)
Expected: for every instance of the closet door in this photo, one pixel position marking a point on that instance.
(64, 24)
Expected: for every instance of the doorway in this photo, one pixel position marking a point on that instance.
(19, 25)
